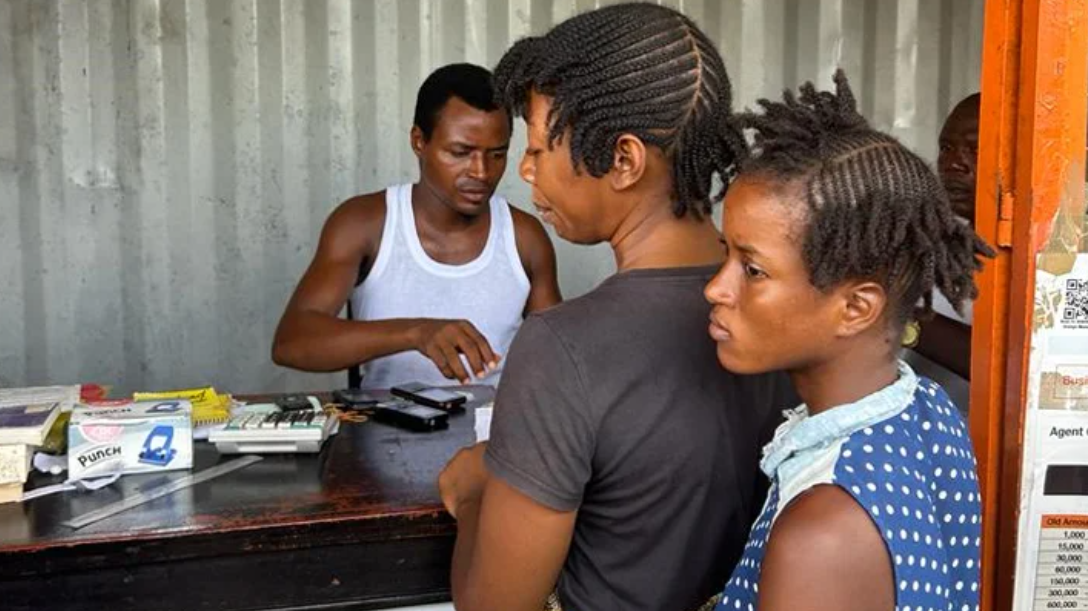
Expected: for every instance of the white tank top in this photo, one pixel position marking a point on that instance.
(489, 291)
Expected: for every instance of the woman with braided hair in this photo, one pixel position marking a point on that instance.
(621, 471)
(833, 233)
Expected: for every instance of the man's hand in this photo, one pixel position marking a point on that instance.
(463, 479)
(444, 341)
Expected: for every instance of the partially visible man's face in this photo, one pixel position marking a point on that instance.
(958, 158)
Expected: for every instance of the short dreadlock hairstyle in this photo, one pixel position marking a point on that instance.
(875, 210)
(638, 69)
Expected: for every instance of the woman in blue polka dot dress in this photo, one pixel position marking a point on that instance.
(834, 232)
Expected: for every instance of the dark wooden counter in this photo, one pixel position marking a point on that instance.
(358, 526)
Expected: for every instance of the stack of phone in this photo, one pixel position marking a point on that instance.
(415, 406)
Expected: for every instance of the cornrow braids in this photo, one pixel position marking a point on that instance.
(875, 210)
(639, 69)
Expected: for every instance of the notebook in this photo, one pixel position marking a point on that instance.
(67, 396)
(11, 493)
(27, 424)
(15, 463)
(209, 407)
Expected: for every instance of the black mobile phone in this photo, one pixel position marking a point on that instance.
(356, 398)
(438, 398)
(294, 403)
(412, 417)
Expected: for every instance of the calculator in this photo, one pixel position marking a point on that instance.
(295, 431)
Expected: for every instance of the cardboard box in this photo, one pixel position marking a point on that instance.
(130, 437)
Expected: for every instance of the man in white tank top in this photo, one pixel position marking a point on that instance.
(438, 274)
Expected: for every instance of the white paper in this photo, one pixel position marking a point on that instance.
(1052, 551)
(1058, 437)
(53, 465)
(483, 422)
(87, 484)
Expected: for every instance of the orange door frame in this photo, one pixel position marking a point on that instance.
(1031, 168)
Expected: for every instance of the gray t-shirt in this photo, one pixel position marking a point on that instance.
(614, 405)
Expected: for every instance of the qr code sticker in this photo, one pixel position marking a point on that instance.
(1076, 302)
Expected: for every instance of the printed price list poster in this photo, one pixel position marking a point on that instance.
(1061, 577)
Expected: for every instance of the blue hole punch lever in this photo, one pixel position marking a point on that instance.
(160, 454)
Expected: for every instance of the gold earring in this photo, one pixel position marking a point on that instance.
(911, 334)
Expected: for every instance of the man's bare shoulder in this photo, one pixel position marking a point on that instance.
(354, 229)
(367, 209)
(529, 232)
(523, 220)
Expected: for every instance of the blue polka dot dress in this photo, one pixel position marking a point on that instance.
(904, 455)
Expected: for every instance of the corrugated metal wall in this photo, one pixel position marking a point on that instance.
(166, 165)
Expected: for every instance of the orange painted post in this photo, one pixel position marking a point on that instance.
(996, 164)
(1031, 167)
